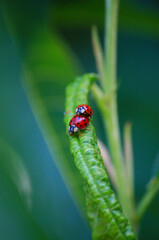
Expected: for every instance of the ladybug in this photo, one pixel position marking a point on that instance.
(76, 123)
(84, 110)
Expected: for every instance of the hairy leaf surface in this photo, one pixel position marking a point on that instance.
(103, 209)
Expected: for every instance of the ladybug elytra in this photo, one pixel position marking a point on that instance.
(84, 110)
(76, 123)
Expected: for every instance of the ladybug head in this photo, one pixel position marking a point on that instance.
(80, 110)
(72, 129)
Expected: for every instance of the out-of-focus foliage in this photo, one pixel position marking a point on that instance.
(16, 191)
(44, 81)
(133, 17)
(138, 51)
(47, 65)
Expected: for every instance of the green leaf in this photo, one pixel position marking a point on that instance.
(103, 209)
(48, 67)
(14, 168)
(152, 190)
(17, 193)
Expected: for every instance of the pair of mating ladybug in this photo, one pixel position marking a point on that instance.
(81, 119)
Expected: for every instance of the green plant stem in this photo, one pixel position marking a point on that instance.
(128, 156)
(106, 99)
(152, 190)
(111, 126)
(115, 146)
(98, 54)
(110, 42)
(110, 116)
(116, 156)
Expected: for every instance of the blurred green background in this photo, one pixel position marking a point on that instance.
(43, 46)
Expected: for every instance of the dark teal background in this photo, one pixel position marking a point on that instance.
(53, 214)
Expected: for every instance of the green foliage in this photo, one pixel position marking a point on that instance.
(14, 168)
(103, 209)
(48, 66)
(17, 193)
(106, 98)
(133, 17)
(44, 82)
(152, 190)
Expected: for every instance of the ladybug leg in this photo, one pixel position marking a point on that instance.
(87, 129)
(97, 152)
(80, 133)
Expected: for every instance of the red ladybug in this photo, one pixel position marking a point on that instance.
(76, 123)
(84, 110)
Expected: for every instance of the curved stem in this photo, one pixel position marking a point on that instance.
(147, 198)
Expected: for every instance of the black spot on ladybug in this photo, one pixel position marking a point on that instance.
(77, 123)
(80, 125)
(84, 119)
(85, 123)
